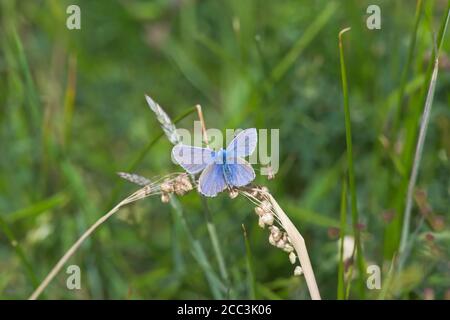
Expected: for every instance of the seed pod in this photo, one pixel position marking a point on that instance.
(259, 211)
(261, 223)
(167, 187)
(276, 233)
(292, 257)
(267, 218)
(272, 241)
(233, 194)
(266, 206)
(186, 183)
(288, 248)
(178, 188)
(165, 198)
(281, 244)
(298, 271)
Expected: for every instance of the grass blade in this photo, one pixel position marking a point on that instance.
(19, 251)
(250, 272)
(341, 280)
(419, 149)
(351, 170)
(140, 194)
(215, 284)
(212, 232)
(405, 71)
(286, 63)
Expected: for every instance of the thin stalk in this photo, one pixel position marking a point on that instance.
(216, 285)
(251, 275)
(341, 280)
(349, 285)
(351, 170)
(202, 122)
(405, 72)
(394, 232)
(142, 154)
(419, 149)
(300, 247)
(141, 193)
(212, 231)
(387, 283)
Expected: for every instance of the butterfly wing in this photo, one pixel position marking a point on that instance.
(192, 159)
(243, 144)
(239, 172)
(212, 181)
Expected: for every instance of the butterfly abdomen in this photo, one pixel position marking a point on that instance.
(227, 173)
(226, 168)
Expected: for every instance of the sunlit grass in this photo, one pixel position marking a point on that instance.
(72, 115)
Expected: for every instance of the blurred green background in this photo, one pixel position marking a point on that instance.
(73, 113)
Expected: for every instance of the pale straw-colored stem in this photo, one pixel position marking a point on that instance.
(299, 245)
(416, 163)
(141, 193)
(202, 122)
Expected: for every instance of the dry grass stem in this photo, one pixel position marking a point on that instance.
(144, 192)
(288, 240)
(202, 121)
(300, 247)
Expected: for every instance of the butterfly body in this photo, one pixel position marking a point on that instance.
(220, 159)
(221, 169)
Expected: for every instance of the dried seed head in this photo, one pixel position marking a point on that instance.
(266, 206)
(165, 198)
(167, 187)
(179, 190)
(274, 229)
(166, 123)
(135, 178)
(233, 193)
(147, 190)
(267, 218)
(288, 248)
(255, 193)
(261, 223)
(185, 182)
(298, 271)
(281, 244)
(272, 240)
(259, 211)
(275, 233)
(182, 184)
(292, 257)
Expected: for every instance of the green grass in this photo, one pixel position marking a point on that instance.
(358, 253)
(73, 113)
(341, 267)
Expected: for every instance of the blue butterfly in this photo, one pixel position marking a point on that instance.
(220, 169)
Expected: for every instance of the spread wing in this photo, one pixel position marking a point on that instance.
(212, 181)
(192, 159)
(239, 173)
(243, 144)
